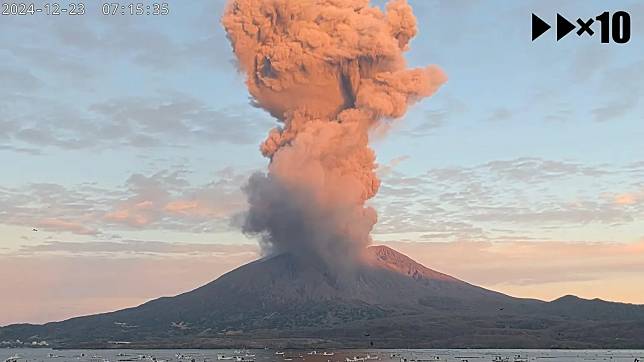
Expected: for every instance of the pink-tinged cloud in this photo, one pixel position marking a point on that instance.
(196, 209)
(182, 207)
(52, 224)
(136, 213)
(628, 198)
(128, 216)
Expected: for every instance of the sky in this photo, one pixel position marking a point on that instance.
(125, 140)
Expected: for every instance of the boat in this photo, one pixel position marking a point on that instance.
(312, 353)
(328, 354)
(279, 353)
(14, 358)
(221, 357)
(355, 359)
(244, 359)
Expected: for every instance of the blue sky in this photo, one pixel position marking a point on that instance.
(127, 138)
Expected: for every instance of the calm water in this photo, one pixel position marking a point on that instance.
(290, 355)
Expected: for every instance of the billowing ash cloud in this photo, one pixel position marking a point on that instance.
(329, 70)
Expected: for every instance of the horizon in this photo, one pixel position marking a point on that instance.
(267, 257)
(125, 143)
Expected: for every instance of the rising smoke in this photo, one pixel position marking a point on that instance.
(329, 71)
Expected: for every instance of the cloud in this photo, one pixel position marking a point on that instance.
(149, 45)
(171, 120)
(128, 216)
(60, 126)
(62, 225)
(19, 80)
(629, 198)
(613, 110)
(589, 61)
(183, 117)
(621, 89)
(557, 213)
(63, 60)
(50, 207)
(535, 169)
(25, 150)
(60, 64)
(164, 200)
(526, 198)
(157, 48)
(143, 248)
(489, 201)
(445, 108)
(500, 114)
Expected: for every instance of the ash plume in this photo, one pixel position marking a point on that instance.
(330, 71)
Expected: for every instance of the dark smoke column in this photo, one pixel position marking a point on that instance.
(329, 71)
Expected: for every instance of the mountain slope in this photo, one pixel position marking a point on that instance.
(390, 300)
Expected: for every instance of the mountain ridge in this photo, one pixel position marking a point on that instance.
(389, 300)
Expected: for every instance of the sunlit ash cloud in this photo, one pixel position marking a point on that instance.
(329, 72)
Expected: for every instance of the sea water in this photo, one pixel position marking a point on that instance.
(459, 355)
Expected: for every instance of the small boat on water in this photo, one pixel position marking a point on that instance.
(14, 358)
(355, 359)
(328, 354)
(279, 353)
(244, 359)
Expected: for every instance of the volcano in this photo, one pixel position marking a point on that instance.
(388, 301)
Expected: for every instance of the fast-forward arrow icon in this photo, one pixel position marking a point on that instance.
(538, 27)
(564, 27)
